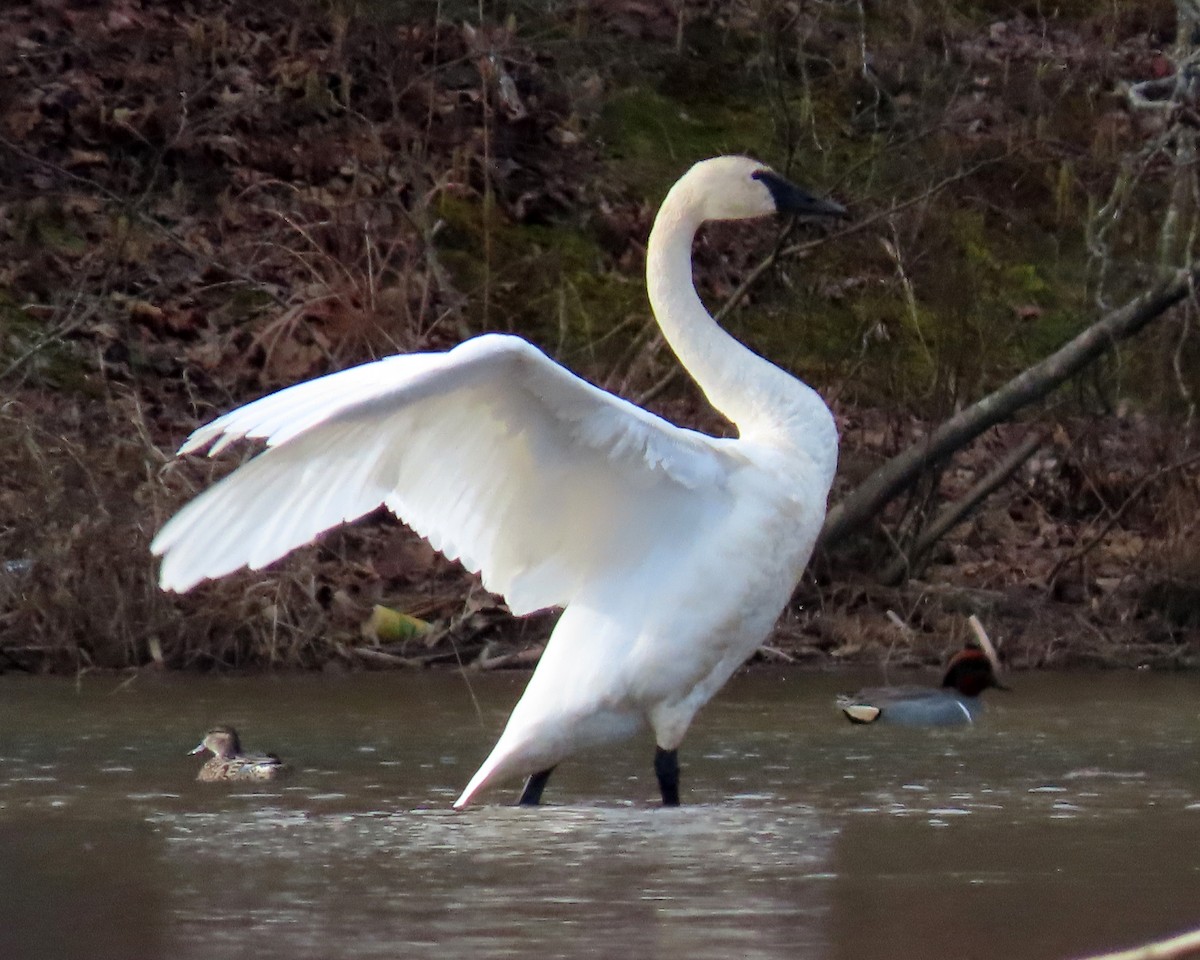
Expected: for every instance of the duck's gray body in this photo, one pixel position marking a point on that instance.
(911, 707)
(955, 703)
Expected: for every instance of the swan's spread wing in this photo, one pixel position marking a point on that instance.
(503, 459)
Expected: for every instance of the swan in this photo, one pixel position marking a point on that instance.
(671, 552)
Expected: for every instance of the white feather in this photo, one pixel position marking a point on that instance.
(671, 551)
(471, 448)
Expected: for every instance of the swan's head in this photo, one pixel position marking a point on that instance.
(737, 188)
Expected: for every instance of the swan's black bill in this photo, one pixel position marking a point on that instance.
(789, 198)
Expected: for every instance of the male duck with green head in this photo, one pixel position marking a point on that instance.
(955, 703)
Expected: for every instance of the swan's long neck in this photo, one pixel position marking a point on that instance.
(762, 401)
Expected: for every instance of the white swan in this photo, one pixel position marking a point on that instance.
(672, 552)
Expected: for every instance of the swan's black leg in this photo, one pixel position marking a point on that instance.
(666, 767)
(531, 796)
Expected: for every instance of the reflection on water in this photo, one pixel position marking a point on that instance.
(1068, 822)
(579, 882)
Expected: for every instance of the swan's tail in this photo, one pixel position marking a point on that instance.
(478, 782)
(528, 747)
(507, 759)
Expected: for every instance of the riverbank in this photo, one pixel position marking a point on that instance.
(323, 186)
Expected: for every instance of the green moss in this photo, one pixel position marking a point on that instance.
(55, 232)
(991, 297)
(54, 362)
(995, 288)
(15, 324)
(651, 137)
(552, 283)
(241, 305)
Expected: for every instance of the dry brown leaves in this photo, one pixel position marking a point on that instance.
(202, 202)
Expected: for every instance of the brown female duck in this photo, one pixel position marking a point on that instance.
(228, 762)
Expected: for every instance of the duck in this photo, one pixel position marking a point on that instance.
(955, 703)
(669, 552)
(228, 762)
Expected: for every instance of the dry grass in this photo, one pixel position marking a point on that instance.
(330, 186)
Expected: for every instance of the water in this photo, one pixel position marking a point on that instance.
(1067, 823)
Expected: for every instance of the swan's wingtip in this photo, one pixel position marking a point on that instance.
(215, 435)
(172, 579)
(169, 584)
(194, 442)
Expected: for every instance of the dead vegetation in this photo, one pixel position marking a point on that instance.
(201, 204)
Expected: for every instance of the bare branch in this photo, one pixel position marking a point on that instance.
(954, 513)
(865, 502)
(1117, 514)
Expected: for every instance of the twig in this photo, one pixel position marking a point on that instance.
(1153, 94)
(858, 226)
(776, 654)
(984, 641)
(1080, 552)
(518, 658)
(954, 513)
(67, 327)
(381, 657)
(892, 249)
(124, 202)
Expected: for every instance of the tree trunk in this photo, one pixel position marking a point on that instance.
(870, 497)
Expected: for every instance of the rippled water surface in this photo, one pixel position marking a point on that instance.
(1067, 822)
